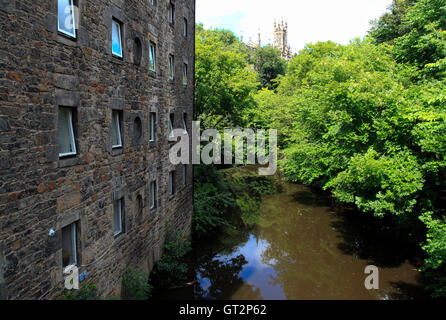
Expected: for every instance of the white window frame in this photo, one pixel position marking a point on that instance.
(70, 128)
(121, 229)
(73, 246)
(152, 47)
(120, 55)
(153, 195)
(185, 75)
(152, 123)
(171, 67)
(118, 124)
(71, 5)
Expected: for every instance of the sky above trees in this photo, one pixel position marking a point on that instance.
(309, 21)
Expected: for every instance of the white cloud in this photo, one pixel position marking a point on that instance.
(308, 20)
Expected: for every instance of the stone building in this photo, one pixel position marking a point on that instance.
(86, 110)
(281, 39)
(253, 45)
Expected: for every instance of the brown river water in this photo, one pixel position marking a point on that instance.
(302, 248)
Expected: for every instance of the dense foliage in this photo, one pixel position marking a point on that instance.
(212, 199)
(269, 65)
(366, 121)
(225, 81)
(416, 29)
(86, 292)
(171, 270)
(136, 285)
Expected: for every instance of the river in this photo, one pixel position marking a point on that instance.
(302, 248)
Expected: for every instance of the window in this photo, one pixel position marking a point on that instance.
(153, 195)
(69, 246)
(65, 17)
(152, 56)
(152, 2)
(185, 122)
(185, 74)
(185, 28)
(171, 125)
(171, 13)
(116, 39)
(172, 182)
(184, 174)
(65, 133)
(116, 129)
(118, 217)
(171, 67)
(152, 123)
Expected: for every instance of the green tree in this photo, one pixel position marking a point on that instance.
(269, 65)
(212, 198)
(435, 248)
(390, 25)
(136, 285)
(225, 81)
(417, 30)
(359, 126)
(171, 270)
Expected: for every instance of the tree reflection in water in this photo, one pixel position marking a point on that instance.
(220, 279)
(298, 250)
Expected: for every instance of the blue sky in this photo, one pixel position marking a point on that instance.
(308, 20)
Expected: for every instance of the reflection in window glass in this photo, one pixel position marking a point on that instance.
(185, 28)
(171, 66)
(69, 254)
(116, 39)
(171, 126)
(185, 122)
(185, 74)
(153, 195)
(152, 56)
(65, 134)
(116, 130)
(117, 217)
(65, 15)
(171, 13)
(152, 122)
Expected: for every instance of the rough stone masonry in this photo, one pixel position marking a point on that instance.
(42, 70)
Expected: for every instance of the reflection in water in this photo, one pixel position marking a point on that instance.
(302, 249)
(222, 277)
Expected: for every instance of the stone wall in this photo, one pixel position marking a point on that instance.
(40, 70)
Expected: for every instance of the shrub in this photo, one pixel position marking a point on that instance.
(435, 248)
(171, 270)
(87, 292)
(211, 200)
(136, 285)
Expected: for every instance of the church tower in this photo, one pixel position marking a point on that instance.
(281, 39)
